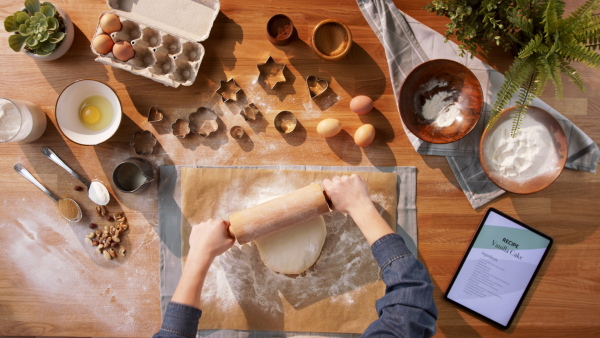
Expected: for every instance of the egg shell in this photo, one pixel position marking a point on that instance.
(102, 43)
(361, 104)
(123, 50)
(329, 127)
(110, 23)
(364, 135)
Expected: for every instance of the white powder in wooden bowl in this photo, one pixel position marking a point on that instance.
(529, 154)
(442, 108)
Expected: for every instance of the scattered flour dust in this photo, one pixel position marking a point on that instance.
(442, 108)
(49, 260)
(529, 154)
(240, 277)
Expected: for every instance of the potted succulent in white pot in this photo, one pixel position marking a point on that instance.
(42, 31)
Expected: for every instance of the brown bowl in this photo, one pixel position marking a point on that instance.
(280, 30)
(501, 167)
(425, 86)
(331, 40)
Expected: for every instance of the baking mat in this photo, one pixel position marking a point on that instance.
(290, 294)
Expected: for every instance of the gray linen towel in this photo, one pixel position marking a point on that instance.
(407, 44)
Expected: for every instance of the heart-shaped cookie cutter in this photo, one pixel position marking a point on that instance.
(316, 86)
(155, 115)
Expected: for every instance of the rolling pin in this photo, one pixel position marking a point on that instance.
(279, 213)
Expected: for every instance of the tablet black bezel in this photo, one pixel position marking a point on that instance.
(551, 241)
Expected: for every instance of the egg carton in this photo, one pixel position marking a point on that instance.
(165, 36)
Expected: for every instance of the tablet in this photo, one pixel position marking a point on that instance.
(498, 268)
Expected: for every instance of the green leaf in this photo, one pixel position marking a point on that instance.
(52, 23)
(47, 46)
(16, 42)
(9, 24)
(21, 18)
(32, 6)
(56, 37)
(48, 11)
(31, 41)
(23, 30)
(44, 36)
(42, 52)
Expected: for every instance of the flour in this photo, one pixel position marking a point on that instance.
(98, 193)
(529, 154)
(442, 109)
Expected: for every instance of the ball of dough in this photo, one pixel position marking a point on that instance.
(295, 249)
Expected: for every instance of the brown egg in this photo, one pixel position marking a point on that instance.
(329, 127)
(123, 50)
(364, 135)
(110, 23)
(361, 104)
(102, 43)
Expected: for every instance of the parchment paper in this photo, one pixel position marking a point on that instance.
(169, 214)
(337, 294)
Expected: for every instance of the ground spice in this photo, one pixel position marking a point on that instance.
(279, 27)
(68, 208)
(331, 39)
(283, 32)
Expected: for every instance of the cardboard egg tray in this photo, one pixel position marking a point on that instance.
(165, 35)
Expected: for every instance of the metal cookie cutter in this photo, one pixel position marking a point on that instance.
(155, 115)
(229, 90)
(316, 86)
(143, 142)
(203, 122)
(271, 72)
(250, 112)
(181, 128)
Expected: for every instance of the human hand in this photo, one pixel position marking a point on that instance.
(209, 239)
(348, 194)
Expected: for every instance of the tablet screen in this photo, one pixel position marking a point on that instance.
(498, 267)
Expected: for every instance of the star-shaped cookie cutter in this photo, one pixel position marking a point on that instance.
(229, 90)
(271, 72)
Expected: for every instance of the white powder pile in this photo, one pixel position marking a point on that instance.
(98, 193)
(525, 156)
(442, 109)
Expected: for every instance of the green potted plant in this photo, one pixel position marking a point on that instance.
(545, 43)
(42, 31)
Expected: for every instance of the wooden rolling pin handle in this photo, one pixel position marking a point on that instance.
(279, 213)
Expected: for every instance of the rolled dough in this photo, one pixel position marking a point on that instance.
(295, 249)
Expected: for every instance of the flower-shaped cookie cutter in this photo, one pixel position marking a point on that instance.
(271, 72)
(181, 128)
(250, 112)
(228, 90)
(143, 142)
(316, 86)
(203, 122)
(155, 115)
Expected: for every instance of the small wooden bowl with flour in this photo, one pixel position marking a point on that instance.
(440, 101)
(528, 162)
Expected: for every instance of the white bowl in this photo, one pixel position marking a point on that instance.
(67, 112)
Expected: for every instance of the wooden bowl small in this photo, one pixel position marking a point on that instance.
(540, 174)
(280, 30)
(425, 84)
(331, 40)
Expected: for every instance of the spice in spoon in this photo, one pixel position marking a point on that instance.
(68, 208)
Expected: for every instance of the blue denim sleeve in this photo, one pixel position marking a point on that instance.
(407, 309)
(180, 321)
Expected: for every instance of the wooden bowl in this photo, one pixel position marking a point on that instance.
(331, 40)
(502, 157)
(420, 101)
(280, 30)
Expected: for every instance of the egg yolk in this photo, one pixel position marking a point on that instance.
(90, 114)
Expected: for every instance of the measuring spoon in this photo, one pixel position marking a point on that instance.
(25, 173)
(52, 156)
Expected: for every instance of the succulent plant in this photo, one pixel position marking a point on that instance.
(37, 27)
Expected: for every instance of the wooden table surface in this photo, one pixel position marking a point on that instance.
(52, 283)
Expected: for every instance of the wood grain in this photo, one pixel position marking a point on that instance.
(52, 283)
